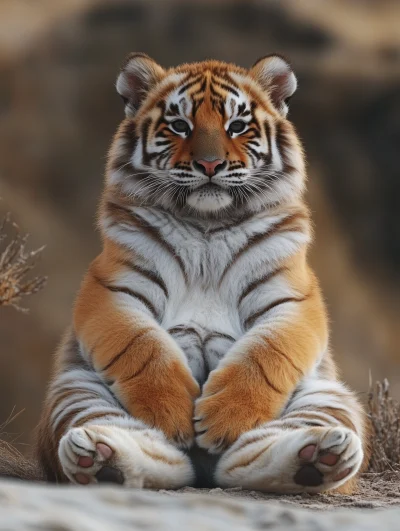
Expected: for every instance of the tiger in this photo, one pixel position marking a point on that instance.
(200, 334)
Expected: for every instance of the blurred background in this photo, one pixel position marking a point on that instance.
(58, 108)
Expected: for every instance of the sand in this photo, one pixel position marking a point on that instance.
(375, 491)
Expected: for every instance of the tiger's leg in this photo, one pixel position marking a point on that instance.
(315, 445)
(87, 437)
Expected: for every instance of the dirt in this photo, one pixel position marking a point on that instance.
(376, 491)
(26, 506)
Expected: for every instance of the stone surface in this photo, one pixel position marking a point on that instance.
(25, 506)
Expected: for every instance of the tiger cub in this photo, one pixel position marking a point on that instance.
(201, 321)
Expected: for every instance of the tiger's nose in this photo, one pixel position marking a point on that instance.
(209, 167)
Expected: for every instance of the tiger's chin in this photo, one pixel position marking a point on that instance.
(209, 200)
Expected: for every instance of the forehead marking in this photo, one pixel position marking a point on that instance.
(183, 104)
(219, 88)
(189, 84)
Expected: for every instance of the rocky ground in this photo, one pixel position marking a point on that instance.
(28, 506)
(376, 491)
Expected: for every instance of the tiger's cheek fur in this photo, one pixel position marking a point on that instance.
(181, 153)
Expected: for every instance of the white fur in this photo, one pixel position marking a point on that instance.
(271, 463)
(132, 454)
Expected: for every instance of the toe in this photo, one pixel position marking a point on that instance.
(104, 450)
(342, 474)
(85, 461)
(307, 452)
(82, 479)
(329, 459)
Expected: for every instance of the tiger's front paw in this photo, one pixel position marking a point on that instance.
(231, 404)
(163, 397)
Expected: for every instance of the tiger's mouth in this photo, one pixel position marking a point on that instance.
(210, 187)
(209, 197)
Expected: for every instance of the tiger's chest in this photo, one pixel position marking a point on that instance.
(204, 325)
(202, 313)
(206, 273)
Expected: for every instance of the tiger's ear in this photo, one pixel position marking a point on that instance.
(275, 76)
(138, 75)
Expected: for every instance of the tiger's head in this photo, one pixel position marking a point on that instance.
(207, 139)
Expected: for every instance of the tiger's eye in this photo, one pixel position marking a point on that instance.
(180, 126)
(238, 126)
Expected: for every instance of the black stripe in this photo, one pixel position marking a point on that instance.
(173, 110)
(232, 226)
(122, 289)
(124, 350)
(142, 368)
(214, 335)
(150, 231)
(202, 88)
(266, 378)
(181, 329)
(250, 320)
(254, 152)
(256, 283)
(229, 79)
(189, 84)
(128, 135)
(227, 88)
(145, 134)
(163, 142)
(161, 119)
(241, 108)
(144, 300)
(267, 130)
(254, 129)
(150, 275)
(258, 238)
(217, 95)
(155, 234)
(283, 143)
(281, 353)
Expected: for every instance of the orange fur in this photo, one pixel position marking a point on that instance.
(139, 360)
(247, 393)
(138, 357)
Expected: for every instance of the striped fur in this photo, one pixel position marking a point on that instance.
(201, 319)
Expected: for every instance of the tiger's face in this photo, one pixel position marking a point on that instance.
(207, 139)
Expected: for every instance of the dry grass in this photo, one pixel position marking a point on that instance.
(15, 264)
(384, 413)
(12, 463)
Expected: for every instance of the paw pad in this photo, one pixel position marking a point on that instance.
(325, 461)
(309, 476)
(109, 474)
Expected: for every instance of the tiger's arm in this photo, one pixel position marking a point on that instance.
(286, 334)
(116, 325)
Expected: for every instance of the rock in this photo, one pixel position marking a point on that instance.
(28, 506)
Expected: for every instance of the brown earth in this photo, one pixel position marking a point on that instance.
(375, 491)
(30, 507)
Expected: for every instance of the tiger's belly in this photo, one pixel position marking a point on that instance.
(205, 327)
